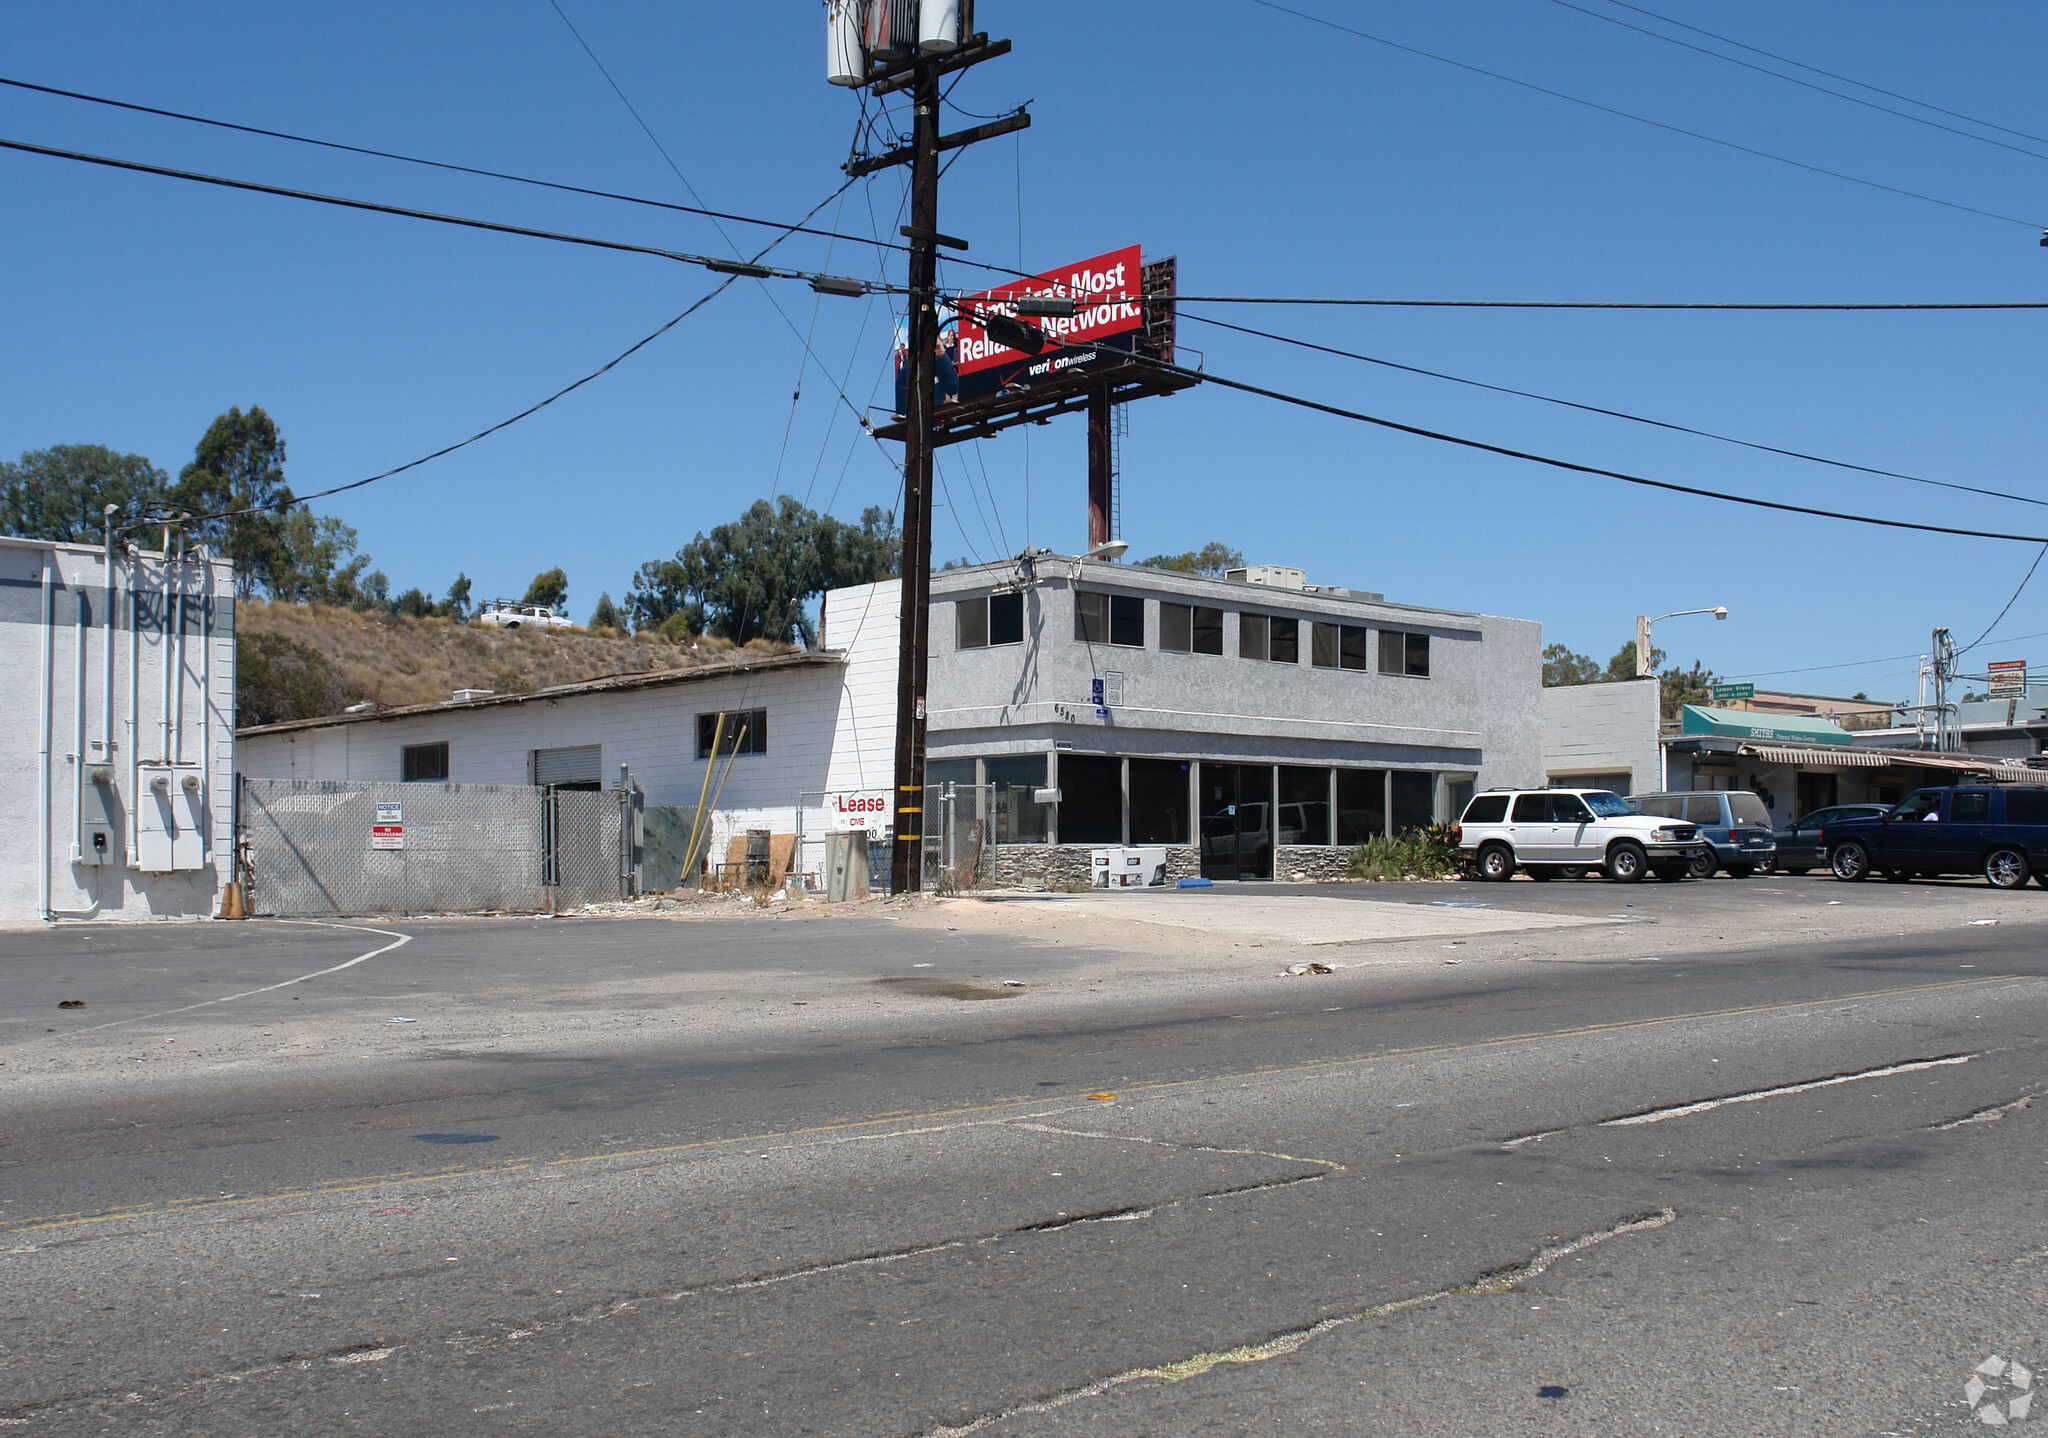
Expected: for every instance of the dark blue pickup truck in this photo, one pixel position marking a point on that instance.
(1999, 831)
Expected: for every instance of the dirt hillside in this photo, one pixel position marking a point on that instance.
(397, 659)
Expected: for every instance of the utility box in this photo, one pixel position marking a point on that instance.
(846, 866)
(1148, 863)
(170, 819)
(99, 817)
(1137, 867)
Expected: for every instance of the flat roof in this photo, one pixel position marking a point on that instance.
(640, 679)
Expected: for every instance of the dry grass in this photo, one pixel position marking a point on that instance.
(398, 660)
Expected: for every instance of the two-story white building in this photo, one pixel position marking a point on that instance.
(1255, 725)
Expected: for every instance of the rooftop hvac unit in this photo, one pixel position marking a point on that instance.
(892, 28)
(938, 26)
(845, 62)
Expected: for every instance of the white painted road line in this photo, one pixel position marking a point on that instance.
(1659, 1115)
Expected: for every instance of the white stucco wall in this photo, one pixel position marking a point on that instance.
(1592, 730)
(194, 730)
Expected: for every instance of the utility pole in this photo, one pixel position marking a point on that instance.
(887, 46)
(906, 855)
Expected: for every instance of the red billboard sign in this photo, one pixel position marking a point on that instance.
(1106, 293)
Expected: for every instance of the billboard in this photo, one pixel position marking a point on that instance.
(1109, 314)
(2008, 678)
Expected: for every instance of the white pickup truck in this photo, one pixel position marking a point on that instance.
(504, 614)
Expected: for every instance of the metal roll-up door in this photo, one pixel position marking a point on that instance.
(581, 766)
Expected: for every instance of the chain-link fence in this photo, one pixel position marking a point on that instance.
(955, 828)
(325, 848)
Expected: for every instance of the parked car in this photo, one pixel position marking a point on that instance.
(504, 614)
(1734, 822)
(1546, 831)
(1999, 831)
(1799, 848)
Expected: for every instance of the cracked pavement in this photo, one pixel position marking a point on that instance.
(1790, 1186)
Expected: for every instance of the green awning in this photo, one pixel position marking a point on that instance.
(1771, 728)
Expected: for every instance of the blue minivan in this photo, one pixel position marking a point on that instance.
(1997, 830)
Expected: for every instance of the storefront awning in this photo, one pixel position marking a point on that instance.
(1699, 720)
(1815, 758)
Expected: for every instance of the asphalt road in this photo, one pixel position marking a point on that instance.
(1562, 1197)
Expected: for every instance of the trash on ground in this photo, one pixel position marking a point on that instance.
(1462, 904)
(71, 1003)
(1013, 983)
(1974, 921)
(1297, 970)
(1455, 944)
(405, 1021)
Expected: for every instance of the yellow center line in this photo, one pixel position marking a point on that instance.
(331, 1186)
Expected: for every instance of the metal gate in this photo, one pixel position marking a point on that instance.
(331, 848)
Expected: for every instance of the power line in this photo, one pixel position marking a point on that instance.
(532, 409)
(1591, 304)
(450, 166)
(1572, 466)
(1619, 414)
(2024, 582)
(1816, 70)
(1644, 119)
(1795, 80)
(559, 237)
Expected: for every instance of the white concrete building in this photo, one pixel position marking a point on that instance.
(117, 742)
(1253, 728)
(1603, 736)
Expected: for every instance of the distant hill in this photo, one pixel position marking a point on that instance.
(302, 661)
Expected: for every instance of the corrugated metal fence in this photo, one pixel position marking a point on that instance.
(326, 848)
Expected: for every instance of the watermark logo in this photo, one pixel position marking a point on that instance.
(2000, 1392)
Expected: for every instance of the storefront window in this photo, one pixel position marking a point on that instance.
(1091, 799)
(1304, 806)
(1159, 801)
(1361, 805)
(1018, 818)
(1413, 803)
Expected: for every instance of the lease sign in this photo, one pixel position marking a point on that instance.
(1107, 302)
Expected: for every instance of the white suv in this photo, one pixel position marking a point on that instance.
(504, 614)
(1548, 830)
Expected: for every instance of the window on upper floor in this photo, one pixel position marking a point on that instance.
(425, 763)
(987, 620)
(1404, 653)
(745, 732)
(1190, 628)
(1339, 646)
(1269, 636)
(1109, 619)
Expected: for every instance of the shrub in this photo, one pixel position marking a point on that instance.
(1424, 855)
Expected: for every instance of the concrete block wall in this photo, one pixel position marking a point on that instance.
(195, 728)
(1591, 729)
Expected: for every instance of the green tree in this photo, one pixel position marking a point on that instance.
(1211, 559)
(456, 605)
(606, 615)
(549, 587)
(235, 488)
(1562, 667)
(60, 493)
(1679, 687)
(277, 680)
(752, 578)
(314, 560)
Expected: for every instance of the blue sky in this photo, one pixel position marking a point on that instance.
(1271, 155)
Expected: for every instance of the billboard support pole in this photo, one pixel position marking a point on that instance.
(1101, 469)
(906, 857)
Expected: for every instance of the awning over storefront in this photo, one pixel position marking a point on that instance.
(1699, 721)
(1816, 758)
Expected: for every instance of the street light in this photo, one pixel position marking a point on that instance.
(1108, 549)
(1643, 623)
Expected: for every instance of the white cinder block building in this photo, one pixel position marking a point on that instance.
(1254, 725)
(117, 741)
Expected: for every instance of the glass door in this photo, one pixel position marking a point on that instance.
(1237, 821)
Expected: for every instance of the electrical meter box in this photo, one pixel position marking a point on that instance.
(170, 819)
(99, 816)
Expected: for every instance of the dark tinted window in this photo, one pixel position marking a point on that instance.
(1362, 805)
(1532, 809)
(970, 623)
(1663, 807)
(1159, 801)
(745, 732)
(1286, 641)
(1251, 636)
(1404, 653)
(1127, 621)
(1566, 809)
(1304, 805)
(1703, 809)
(1352, 643)
(1919, 806)
(1418, 655)
(1208, 630)
(1972, 806)
(1091, 618)
(2026, 806)
(1818, 818)
(425, 763)
(1487, 809)
(1412, 802)
(1091, 799)
(1006, 619)
(1176, 627)
(1325, 646)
